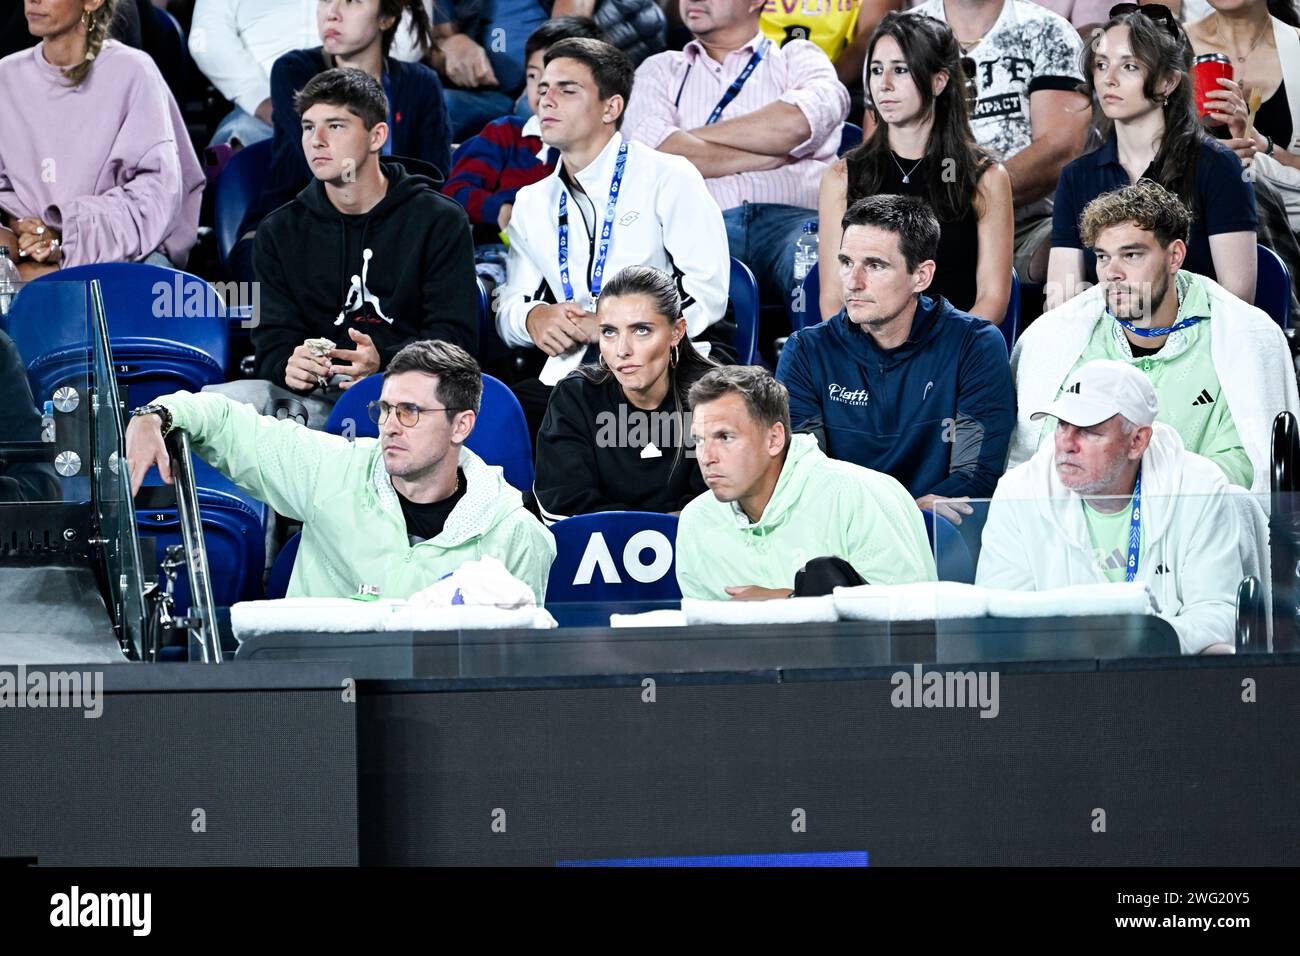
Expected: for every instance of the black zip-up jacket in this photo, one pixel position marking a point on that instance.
(316, 280)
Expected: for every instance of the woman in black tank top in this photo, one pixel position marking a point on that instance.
(922, 146)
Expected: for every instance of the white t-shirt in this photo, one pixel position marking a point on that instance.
(1028, 48)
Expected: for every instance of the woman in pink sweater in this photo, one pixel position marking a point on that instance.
(95, 162)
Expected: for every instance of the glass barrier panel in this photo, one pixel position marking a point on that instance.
(112, 484)
(46, 409)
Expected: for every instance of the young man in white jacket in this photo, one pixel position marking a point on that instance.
(1116, 497)
(609, 204)
(1221, 368)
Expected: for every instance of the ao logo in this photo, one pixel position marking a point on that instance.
(597, 555)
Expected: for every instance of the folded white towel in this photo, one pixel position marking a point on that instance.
(1078, 600)
(661, 618)
(923, 601)
(802, 610)
(471, 617)
(318, 615)
(345, 616)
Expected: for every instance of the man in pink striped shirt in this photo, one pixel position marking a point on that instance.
(760, 121)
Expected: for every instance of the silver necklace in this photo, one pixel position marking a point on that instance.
(1258, 37)
(907, 174)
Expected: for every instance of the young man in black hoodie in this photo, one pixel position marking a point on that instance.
(368, 256)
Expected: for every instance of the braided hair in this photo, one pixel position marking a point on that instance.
(97, 23)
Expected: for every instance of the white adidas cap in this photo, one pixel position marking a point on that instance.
(1101, 390)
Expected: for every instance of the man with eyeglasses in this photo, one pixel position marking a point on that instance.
(396, 513)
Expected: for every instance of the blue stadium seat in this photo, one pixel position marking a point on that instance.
(350, 417)
(167, 329)
(173, 56)
(277, 585)
(236, 190)
(952, 554)
(744, 301)
(234, 532)
(500, 435)
(1273, 286)
(615, 558)
(850, 136)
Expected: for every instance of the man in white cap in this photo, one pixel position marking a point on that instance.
(1116, 497)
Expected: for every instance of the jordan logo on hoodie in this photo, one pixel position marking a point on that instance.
(361, 305)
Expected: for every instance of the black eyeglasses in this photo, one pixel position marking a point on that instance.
(1152, 11)
(408, 414)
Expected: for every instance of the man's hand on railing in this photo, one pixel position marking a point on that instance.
(145, 448)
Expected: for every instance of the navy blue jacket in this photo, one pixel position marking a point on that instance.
(936, 413)
(418, 127)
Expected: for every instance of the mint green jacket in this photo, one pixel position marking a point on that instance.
(820, 507)
(353, 529)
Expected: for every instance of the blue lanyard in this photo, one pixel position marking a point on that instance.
(1157, 333)
(606, 231)
(1134, 529)
(734, 89)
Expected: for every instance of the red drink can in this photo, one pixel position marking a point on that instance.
(1207, 69)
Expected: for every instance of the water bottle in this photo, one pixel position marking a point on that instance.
(9, 281)
(805, 251)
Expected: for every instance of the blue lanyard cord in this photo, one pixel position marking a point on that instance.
(606, 232)
(734, 89)
(1134, 529)
(1157, 333)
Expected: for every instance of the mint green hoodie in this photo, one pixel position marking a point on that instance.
(353, 529)
(820, 507)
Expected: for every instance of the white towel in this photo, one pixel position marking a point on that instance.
(923, 601)
(318, 615)
(1079, 600)
(471, 617)
(661, 618)
(345, 616)
(486, 582)
(801, 610)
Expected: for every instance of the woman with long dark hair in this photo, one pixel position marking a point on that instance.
(616, 436)
(922, 145)
(95, 162)
(1136, 68)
